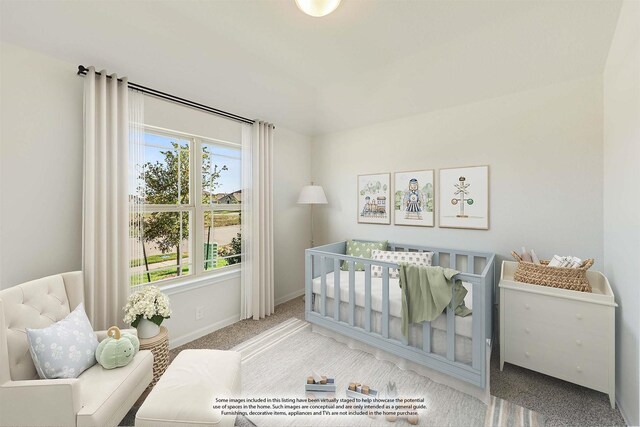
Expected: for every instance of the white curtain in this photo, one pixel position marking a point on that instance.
(257, 291)
(106, 202)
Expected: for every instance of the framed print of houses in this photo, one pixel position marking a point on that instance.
(374, 199)
(413, 198)
(464, 197)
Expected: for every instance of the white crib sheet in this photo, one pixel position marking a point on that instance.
(463, 325)
(463, 345)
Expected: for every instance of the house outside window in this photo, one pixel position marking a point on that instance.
(190, 216)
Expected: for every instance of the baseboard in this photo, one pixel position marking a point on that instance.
(194, 335)
(289, 296)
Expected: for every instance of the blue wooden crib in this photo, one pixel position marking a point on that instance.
(477, 269)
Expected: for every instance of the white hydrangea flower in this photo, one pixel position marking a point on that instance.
(147, 303)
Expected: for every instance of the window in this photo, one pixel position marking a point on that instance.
(190, 219)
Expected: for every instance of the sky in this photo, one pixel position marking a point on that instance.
(229, 181)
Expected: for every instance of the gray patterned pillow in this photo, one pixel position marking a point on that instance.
(65, 349)
(418, 258)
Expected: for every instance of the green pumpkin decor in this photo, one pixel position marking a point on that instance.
(117, 349)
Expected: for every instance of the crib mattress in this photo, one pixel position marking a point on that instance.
(463, 325)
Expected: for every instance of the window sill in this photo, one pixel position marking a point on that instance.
(191, 283)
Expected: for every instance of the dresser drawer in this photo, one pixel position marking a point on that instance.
(573, 341)
(575, 368)
(559, 313)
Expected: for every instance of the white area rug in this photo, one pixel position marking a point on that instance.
(277, 362)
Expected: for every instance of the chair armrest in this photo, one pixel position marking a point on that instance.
(39, 402)
(103, 334)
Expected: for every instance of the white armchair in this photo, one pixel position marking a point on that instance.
(98, 397)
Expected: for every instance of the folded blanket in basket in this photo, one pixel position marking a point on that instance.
(426, 292)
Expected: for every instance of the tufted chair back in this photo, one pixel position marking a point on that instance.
(35, 304)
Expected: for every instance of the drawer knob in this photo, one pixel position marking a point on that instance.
(579, 316)
(578, 368)
(578, 342)
(527, 306)
(526, 354)
(527, 330)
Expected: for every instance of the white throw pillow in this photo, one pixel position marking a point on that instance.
(64, 349)
(417, 258)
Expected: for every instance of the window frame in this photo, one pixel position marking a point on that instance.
(196, 208)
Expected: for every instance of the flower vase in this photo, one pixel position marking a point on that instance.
(147, 329)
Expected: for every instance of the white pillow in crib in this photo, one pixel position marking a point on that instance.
(417, 258)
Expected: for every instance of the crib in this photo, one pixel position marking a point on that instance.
(357, 306)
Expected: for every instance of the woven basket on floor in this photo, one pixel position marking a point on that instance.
(574, 279)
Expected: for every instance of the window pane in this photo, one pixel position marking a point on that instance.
(221, 175)
(222, 238)
(166, 170)
(165, 235)
(221, 191)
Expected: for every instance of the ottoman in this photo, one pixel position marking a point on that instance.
(186, 392)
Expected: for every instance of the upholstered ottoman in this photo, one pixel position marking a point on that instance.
(186, 393)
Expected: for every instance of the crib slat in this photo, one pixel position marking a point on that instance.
(453, 260)
(426, 337)
(435, 260)
(476, 323)
(323, 287)
(385, 302)
(471, 264)
(352, 292)
(367, 298)
(336, 289)
(451, 332)
(308, 282)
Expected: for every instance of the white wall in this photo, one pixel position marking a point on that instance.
(291, 222)
(544, 148)
(41, 166)
(41, 156)
(622, 199)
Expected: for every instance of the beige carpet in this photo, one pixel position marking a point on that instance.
(277, 362)
(561, 403)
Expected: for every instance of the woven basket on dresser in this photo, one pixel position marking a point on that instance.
(574, 279)
(159, 346)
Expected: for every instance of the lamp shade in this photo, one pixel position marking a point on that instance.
(312, 195)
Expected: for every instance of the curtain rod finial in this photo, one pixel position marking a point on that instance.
(82, 69)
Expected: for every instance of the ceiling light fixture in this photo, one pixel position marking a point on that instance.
(317, 8)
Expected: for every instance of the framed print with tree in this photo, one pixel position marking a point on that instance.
(413, 198)
(464, 197)
(374, 199)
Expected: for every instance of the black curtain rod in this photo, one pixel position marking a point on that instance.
(82, 71)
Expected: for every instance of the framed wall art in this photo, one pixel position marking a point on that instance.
(464, 197)
(374, 205)
(414, 198)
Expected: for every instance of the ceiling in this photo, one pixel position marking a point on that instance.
(367, 62)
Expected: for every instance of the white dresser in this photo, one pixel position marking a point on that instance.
(566, 334)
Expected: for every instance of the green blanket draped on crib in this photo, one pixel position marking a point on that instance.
(426, 292)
